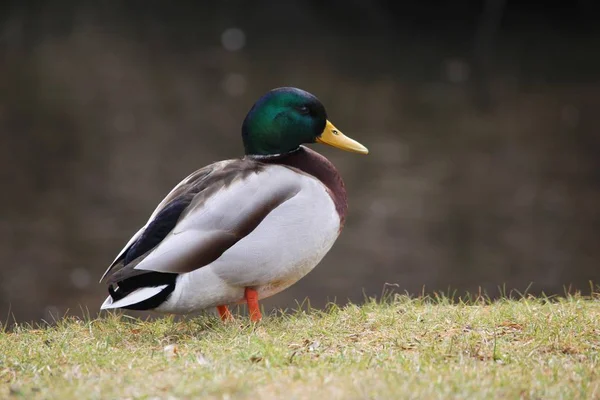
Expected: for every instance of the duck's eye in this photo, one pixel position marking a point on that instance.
(303, 110)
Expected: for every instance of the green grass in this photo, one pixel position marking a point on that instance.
(401, 348)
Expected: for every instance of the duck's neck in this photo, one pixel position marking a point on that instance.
(313, 163)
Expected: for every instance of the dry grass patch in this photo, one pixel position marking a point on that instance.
(402, 348)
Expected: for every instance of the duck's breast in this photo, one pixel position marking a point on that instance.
(287, 245)
(283, 248)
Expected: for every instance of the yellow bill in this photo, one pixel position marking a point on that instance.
(333, 137)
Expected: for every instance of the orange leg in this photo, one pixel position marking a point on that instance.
(224, 313)
(252, 299)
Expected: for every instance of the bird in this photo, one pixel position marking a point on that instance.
(241, 230)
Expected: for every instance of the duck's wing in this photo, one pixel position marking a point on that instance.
(206, 214)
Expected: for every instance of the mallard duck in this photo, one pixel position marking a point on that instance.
(244, 229)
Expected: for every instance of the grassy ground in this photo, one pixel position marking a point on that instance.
(401, 348)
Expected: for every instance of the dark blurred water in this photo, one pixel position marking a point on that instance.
(483, 172)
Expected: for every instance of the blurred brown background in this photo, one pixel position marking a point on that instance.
(481, 117)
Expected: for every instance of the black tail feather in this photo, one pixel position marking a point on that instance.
(150, 279)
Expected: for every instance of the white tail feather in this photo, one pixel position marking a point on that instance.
(137, 296)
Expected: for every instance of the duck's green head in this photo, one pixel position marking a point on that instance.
(285, 118)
